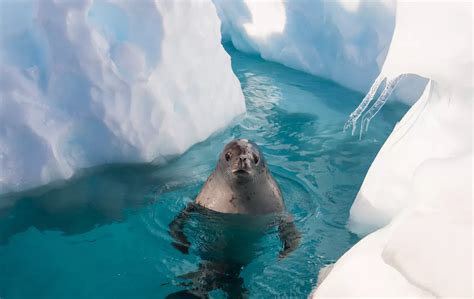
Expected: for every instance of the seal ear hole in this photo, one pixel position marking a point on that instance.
(228, 155)
(255, 158)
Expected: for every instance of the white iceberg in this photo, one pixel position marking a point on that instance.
(85, 83)
(345, 41)
(418, 191)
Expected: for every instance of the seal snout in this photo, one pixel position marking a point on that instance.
(243, 165)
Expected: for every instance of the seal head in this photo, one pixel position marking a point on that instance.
(241, 182)
(241, 162)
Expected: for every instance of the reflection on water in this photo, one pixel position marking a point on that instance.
(81, 204)
(105, 233)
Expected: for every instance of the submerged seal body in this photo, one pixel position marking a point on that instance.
(241, 183)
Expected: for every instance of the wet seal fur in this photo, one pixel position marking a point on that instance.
(240, 184)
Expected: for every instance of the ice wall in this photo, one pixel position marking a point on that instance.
(443, 121)
(417, 195)
(84, 83)
(345, 41)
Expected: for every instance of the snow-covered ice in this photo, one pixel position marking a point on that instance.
(417, 195)
(424, 245)
(85, 83)
(439, 125)
(345, 41)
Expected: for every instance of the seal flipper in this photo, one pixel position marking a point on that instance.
(289, 236)
(176, 229)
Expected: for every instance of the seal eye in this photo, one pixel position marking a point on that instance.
(228, 155)
(255, 158)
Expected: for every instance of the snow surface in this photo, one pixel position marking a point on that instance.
(345, 41)
(418, 191)
(84, 83)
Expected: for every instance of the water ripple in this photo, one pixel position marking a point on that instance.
(116, 218)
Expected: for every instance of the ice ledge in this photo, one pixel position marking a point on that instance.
(87, 83)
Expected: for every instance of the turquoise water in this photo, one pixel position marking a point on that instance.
(104, 233)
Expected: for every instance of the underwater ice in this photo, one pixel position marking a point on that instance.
(85, 83)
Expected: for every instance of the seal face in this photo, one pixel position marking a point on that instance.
(241, 182)
(240, 162)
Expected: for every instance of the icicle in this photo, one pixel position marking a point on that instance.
(382, 99)
(352, 121)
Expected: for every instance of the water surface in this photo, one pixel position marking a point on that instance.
(104, 233)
